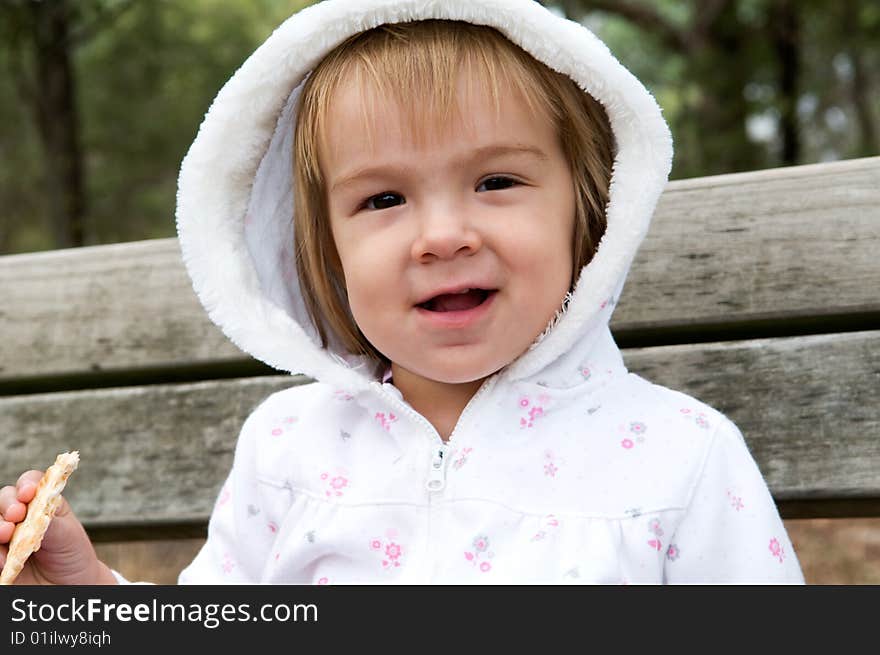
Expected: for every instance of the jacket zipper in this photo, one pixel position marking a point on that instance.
(436, 481)
(437, 472)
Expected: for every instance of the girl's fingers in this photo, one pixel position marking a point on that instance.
(10, 508)
(6, 528)
(14, 499)
(27, 485)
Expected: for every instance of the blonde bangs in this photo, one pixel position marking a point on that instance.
(420, 67)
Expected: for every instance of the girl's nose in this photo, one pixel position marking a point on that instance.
(445, 234)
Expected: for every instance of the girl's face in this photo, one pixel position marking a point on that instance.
(456, 250)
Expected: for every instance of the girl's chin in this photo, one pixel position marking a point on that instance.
(451, 375)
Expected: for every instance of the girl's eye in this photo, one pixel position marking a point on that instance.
(496, 183)
(384, 200)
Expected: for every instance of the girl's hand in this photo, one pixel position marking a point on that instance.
(66, 556)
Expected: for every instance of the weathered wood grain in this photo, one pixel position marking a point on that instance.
(101, 309)
(778, 243)
(765, 245)
(808, 406)
(150, 454)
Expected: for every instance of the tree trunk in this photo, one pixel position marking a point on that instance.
(869, 144)
(720, 63)
(785, 35)
(57, 121)
(860, 90)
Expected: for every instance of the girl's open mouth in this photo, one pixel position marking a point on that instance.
(457, 302)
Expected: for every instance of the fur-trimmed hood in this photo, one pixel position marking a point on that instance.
(235, 200)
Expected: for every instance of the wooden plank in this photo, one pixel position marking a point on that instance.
(808, 406)
(761, 245)
(765, 245)
(102, 309)
(151, 454)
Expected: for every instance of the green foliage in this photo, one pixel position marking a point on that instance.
(151, 79)
(146, 72)
(20, 171)
(723, 98)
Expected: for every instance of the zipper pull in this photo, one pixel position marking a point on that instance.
(437, 472)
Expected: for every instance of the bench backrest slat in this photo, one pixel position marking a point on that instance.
(808, 407)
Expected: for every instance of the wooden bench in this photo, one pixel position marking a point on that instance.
(758, 293)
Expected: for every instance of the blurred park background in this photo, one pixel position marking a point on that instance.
(100, 99)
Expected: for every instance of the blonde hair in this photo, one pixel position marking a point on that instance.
(418, 65)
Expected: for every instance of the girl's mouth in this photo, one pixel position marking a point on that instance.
(457, 302)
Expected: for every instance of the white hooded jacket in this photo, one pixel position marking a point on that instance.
(563, 468)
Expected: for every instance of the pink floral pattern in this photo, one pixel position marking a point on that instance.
(480, 555)
(548, 525)
(655, 529)
(697, 417)
(343, 395)
(550, 467)
(228, 564)
(605, 303)
(336, 484)
(735, 501)
(283, 425)
(673, 552)
(388, 549)
(461, 460)
(532, 410)
(634, 434)
(776, 549)
(386, 421)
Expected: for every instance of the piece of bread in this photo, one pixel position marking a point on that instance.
(29, 533)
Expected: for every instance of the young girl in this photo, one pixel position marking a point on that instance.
(431, 208)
